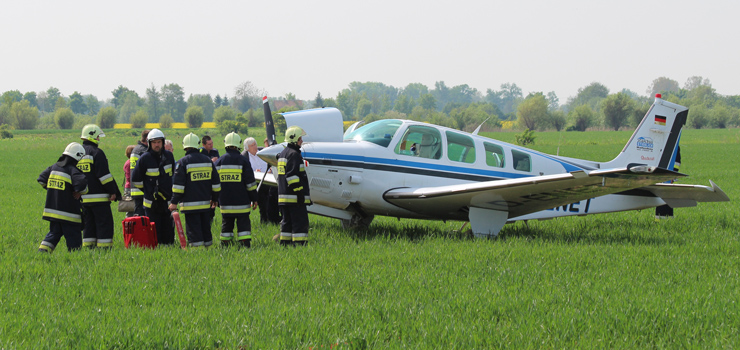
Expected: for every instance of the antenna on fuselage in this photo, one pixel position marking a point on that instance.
(479, 126)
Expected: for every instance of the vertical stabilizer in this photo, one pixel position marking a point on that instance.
(655, 141)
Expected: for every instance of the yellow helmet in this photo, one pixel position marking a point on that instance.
(91, 132)
(233, 140)
(293, 134)
(190, 141)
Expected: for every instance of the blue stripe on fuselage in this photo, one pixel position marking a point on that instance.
(418, 165)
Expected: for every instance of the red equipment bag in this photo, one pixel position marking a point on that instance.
(137, 230)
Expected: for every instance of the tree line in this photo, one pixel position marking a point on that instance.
(461, 107)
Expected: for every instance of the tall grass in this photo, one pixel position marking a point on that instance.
(617, 280)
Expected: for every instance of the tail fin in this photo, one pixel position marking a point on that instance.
(655, 142)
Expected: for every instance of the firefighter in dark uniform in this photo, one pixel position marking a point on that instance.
(238, 193)
(293, 192)
(153, 175)
(64, 185)
(138, 196)
(196, 188)
(102, 189)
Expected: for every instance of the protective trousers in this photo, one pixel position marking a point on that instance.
(71, 232)
(294, 227)
(243, 229)
(198, 227)
(97, 226)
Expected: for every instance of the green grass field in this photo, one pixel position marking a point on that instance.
(604, 281)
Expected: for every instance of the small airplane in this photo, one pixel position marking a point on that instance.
(410, 169)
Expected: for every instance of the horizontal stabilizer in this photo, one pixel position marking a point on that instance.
(680, 195)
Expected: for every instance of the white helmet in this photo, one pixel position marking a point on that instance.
(155, 134)
(75, 150)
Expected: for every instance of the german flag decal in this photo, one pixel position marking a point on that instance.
(659, 119)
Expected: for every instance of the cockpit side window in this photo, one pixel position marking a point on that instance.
(522, 161)
(494, 155)
(460, 148)
(421, 141)
(380, 132)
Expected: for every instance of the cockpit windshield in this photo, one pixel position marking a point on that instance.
(379, 132)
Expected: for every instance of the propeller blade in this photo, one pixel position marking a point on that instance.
(269, 126)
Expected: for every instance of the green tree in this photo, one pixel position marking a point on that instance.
(154, 102)
(61, 103)
(582, 117)
(129, 107)
(173, 100)
(11, 96)
(93, 105)
(589, 95)
(556, 119)
(525, 138)
(205, 102)
(106, 118)
(77, 103)
(64, 118)
(698, 116)
(428, 102)
(31, 98)
(247, 96)
(52, 96)
(695, 82)
(364, 107)
(23, 116)
(319, 101)
(4, 114)
(217, 101)
(194, 116)
(662, 85)
(532, 111)
(720, 116)
(139, 119)
(165, 121)
(224, 113)
(403, 105)
(119, 96)
(617, 109)
(414, 91)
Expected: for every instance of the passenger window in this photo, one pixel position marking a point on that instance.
(460, 148)
(522, 161)
(421, 141)
(494, 155)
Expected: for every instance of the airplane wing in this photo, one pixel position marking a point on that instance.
(267, 178)
(679, 195)
(526, 195)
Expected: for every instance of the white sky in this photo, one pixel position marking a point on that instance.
(305, 47)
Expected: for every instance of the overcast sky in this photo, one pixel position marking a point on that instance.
(305, 47)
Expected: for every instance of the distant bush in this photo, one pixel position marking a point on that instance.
(224, 113)
(194, 116)
(525, 138)
(106, 117)
(165, 121)
(64, 118)
(5, 131)
(139, 119)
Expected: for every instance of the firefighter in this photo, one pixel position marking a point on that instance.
(293, 192)
(239, 193)
(153, 175)
(64, 185)
(141, 146)
(196, 189)
(102, 189)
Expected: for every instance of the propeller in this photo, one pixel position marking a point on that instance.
(269, 125)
